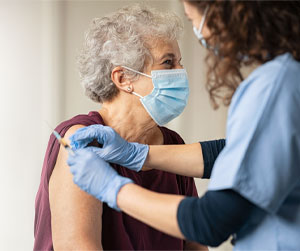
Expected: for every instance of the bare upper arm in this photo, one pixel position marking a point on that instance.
(76, 217)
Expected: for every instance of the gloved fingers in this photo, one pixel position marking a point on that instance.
(80, 143)
(79, 155)
(83, 136)
(76, 180)
(80, 161)
(87, 132)
(73, 170)
(99, 151)
(71, 159)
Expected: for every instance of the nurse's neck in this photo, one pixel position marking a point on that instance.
(127, 116)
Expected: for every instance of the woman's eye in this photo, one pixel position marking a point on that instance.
(169, 62)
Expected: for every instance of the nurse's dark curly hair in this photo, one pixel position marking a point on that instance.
(245, 33)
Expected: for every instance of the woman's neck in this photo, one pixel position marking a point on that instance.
(131, 121)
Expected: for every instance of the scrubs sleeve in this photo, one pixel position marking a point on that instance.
(210, 151)
(262, 148)
(211, 219)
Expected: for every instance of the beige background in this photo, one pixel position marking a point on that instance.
(39, 81)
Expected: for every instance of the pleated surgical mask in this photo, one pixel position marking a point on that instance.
(169, 96)
(199, 35)
(198, 32)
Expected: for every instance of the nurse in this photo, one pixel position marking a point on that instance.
(254, 191)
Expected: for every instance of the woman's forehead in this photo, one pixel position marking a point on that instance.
(165, 48)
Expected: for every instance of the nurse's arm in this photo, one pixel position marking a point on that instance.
(208, 220)
(193, 160)
(155, 209)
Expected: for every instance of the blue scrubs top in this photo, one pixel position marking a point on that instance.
(261, 159)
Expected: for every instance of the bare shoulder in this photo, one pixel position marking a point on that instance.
(71, 131)
(76, 217)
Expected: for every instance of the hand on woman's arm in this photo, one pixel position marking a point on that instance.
(208, 220)
(76, 217)
(194, 160)
(181, 159)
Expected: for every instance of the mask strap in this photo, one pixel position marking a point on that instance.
(136, 94)
(203, 19)
(146, 75)
(141, 73)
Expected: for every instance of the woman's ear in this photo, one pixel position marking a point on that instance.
(123, 84)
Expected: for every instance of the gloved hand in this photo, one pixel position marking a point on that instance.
(96, 177)
(115, 149)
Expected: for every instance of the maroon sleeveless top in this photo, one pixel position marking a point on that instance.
(119, 230)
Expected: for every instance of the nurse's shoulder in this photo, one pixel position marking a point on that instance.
(277, 78)
(279, 72)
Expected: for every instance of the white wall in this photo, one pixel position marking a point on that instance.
(39, 81)
(20, 105)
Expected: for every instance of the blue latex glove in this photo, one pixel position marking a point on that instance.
(96, 177)
(115, 149)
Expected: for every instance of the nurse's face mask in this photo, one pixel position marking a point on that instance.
(199, 35)
(169, 95)
(198, 32)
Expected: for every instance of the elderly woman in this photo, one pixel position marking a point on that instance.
(120, 52)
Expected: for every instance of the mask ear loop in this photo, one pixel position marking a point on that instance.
(203, 19)
(141, 73)
(136, 94)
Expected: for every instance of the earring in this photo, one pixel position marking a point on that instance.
(129, 88)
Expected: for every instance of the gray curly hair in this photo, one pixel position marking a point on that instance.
(122, 38)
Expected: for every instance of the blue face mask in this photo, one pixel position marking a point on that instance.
(169, 95)
(199, 35)
(198, 32)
